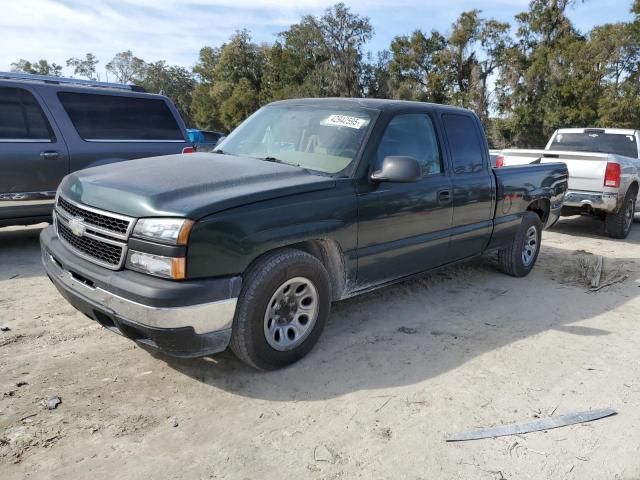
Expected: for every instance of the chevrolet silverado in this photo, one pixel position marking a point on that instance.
(307, 202)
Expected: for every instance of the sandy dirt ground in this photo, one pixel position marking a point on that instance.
(373, 400)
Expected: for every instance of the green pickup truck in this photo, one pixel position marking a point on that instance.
(307, 202)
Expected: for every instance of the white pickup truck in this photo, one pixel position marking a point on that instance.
(604, 172)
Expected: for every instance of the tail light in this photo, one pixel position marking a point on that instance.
(612, 175)
(188, 150)
(500, 161)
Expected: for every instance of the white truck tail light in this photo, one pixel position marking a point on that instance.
(612, 175)
(499, 161)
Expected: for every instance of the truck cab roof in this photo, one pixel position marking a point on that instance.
(382, 105)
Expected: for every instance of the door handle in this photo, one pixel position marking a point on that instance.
(49, 155)
(444, 196)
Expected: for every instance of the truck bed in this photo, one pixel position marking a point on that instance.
(517, 187)
(586, 169)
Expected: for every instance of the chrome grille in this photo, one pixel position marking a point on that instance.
(106, 221)
(95, 235)
(103, 252)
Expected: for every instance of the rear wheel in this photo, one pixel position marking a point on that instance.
(282, 309)
(619, 223)
(519, 258)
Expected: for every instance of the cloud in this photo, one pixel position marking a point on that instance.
(175, 30)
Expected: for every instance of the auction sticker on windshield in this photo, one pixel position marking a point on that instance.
(344, 121)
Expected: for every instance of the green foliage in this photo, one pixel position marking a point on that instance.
(84, 67)
(41, 67)
(175, 82)
(522, 85)
(125, 67)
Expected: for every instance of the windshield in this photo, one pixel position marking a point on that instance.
(322, 139)
(600, 142)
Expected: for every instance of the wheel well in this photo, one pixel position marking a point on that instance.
(330, 254)
(634, 186)
(541, 207)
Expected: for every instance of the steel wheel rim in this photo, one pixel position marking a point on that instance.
(291, 314)
(530, 246)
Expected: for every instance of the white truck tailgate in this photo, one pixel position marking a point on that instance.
(586, 170)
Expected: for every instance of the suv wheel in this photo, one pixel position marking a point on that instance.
(519, 258)
(619, 223)
(282, 309)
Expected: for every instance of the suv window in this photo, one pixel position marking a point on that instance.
(464, 142)
(110, 117)
(412, 135)
(21, 117)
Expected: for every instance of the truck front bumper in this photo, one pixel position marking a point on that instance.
(183, 319)
(591, 200)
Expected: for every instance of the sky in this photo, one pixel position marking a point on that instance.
(175, 30)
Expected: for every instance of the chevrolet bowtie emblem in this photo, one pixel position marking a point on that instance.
(77, 227)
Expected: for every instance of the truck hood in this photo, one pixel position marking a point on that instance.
(191, 185)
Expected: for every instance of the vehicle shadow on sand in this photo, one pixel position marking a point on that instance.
(20, 252)
(449, 318)
(587, 226)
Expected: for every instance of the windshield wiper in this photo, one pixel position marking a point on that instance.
(277, 160)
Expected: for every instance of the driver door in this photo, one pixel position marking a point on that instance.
(404, 228)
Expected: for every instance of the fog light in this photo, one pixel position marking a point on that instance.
(157, 265)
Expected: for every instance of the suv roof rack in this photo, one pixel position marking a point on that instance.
(69, 81)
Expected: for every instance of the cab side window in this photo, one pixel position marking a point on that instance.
(21, 118)
(464, 142)
(412, 135)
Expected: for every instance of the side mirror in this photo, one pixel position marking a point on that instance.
(398, 169)
(219, 141)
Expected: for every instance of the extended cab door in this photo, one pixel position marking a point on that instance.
(473, 185)
(404, 227)
(33, 155)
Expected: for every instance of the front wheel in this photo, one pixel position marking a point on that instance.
(619, 223)
(519, 258)
(282, 309)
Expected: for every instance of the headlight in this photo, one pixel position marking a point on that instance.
(158, 265)
(166, 230)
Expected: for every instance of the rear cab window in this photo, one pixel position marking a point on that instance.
(596, 141)
(99, 117)
(464, 143)
(22, 118)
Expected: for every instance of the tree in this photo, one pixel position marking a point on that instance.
(175, 82)
(41, 67)
(126, 67)
(236, 78)
(376, 80)
(204, 108)
(418, 68)
(532, 86)
(323, 56)
(84, 67)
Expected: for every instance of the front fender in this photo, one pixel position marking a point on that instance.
(227, 242)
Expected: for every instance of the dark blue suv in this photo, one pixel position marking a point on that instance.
(51, 126)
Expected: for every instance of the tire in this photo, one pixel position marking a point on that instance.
(269, 329)
(618, 224)
(519, 258)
